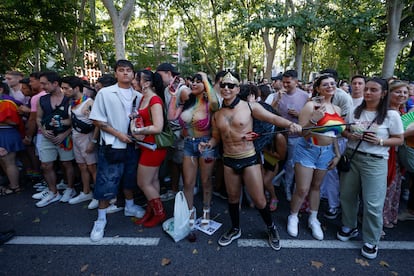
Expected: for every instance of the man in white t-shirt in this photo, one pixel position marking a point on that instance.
(110, 113)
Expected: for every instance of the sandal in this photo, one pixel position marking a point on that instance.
(193, 215)
(5, 191)
(206, 216)
(273, 204)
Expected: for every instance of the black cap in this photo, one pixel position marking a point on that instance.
(25, 81)
(168, 67)
(278, 77)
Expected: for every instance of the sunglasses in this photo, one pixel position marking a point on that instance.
(229, 85)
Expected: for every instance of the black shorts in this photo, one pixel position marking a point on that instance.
(238, 165)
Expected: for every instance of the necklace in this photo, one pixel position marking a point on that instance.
(233, 103)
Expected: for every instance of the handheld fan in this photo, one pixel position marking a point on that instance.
(408, 120)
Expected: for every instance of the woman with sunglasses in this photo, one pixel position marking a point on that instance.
(315, 153)
(378, 128)
(194, 113)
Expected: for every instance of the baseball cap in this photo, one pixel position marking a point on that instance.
(278, 77)
(168, 67)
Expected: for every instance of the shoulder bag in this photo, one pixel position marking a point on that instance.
(344, 164)
(166, 138)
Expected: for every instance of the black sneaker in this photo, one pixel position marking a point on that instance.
(332, 213)
(346, 236)
(369, 253)
(229, 236)
(274, 239)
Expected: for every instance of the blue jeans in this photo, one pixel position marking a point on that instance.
(109, 176)
(289, 165)
(330, 183)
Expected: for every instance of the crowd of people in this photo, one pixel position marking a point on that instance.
(236, 139)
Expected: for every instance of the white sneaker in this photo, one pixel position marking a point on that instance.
(93, 204)
(61, 185)
(41, 195)
(292, 225)
(134, 211)
(113, 209)
(315, 226)
(98, 230)
(49, 198)
(68, 194)
(40, 184)
(81, 198)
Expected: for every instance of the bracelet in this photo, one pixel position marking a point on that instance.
(94, 141)
(313, 122)
(381, 142)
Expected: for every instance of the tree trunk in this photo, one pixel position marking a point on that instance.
(216, 35)
(392, 49)
(394, 44)
(299, 56)
(270, 52)
(120, 21)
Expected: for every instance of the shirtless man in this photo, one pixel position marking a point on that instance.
(233, 125)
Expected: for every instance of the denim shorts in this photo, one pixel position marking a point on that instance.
(313, 156)
(191, 146)
(109, 176)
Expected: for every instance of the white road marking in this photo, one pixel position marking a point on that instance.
(310, 244)
(28, 240)
(326, 244)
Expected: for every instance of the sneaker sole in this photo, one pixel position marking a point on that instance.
(331, 217)
(47, 203)
(229, 242)
(66, 200)
(370, 256)
(344, 239)
(79, 201)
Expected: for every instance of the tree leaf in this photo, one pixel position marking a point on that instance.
(361, 262)
(384, 264)
(84, 268)
(316, 264)
(165, 261)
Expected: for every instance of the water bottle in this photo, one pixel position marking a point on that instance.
(57, 121)
(57, 124)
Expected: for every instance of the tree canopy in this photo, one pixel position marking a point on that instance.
(257, 38)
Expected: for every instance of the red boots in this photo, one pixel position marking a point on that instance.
(154, 215)
(148, 214)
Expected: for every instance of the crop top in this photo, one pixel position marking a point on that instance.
(328, 126)
(187, 121)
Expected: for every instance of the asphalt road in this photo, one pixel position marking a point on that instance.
(54, 240)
